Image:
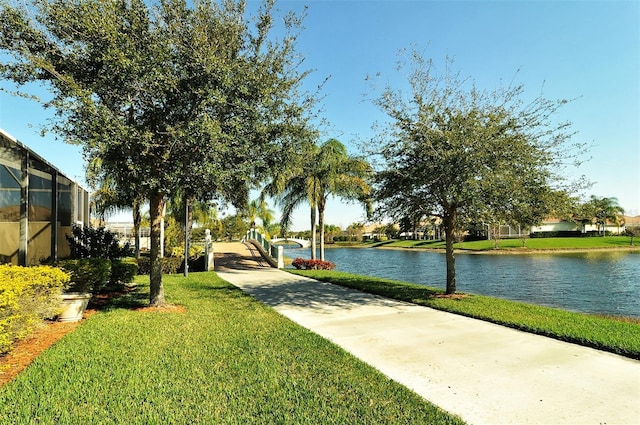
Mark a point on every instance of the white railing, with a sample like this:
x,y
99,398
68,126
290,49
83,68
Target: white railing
x,y
275,252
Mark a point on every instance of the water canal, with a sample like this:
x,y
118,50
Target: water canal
x,y
595,282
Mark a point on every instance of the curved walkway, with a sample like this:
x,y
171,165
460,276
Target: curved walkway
x,y
485,373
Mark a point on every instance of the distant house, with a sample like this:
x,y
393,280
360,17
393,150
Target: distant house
x,y
554,225
631,222
560,226
38,206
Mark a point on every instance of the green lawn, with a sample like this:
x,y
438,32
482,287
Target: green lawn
x,y
516,244
227,360
620,336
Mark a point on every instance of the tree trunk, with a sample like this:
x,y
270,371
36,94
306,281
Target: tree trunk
x,y
313,233
156,290
449,231
321,226
188,204
137,221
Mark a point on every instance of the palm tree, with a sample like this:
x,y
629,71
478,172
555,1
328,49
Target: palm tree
x,y
355,230
603,210
342,176
110,197
327,170
266,215
259,209
331,231
295,187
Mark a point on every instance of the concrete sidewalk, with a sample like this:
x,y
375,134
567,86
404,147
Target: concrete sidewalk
x,y
485,373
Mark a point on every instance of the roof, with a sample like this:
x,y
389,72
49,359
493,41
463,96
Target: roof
x,y
44,165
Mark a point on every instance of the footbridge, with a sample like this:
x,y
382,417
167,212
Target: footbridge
x,y
274,255
304,243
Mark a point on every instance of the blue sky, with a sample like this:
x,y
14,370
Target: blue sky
x,y
583,50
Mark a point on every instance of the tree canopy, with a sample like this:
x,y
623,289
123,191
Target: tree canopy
x,y
453,151
168,96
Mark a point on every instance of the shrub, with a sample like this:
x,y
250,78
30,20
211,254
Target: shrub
x,y
301,263
122,272
27,296
194,251
144,265
170,265
88,274
96,242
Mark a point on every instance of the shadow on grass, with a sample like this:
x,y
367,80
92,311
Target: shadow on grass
x,y
435,244
408,293
382,243
130,299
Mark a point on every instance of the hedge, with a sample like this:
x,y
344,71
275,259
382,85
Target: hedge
x,y
170,265
27,296
87,275
122,272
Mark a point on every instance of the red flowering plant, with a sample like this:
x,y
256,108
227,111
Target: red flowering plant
x,y
301,263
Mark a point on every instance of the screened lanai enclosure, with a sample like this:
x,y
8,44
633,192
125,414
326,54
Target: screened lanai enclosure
x,y
38,206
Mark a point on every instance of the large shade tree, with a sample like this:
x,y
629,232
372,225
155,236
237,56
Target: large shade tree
x,y
169,95
465,155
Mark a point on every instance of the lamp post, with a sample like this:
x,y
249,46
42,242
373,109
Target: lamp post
x,y
186,238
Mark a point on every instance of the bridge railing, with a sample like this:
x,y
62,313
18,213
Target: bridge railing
x,y
304,243
275,252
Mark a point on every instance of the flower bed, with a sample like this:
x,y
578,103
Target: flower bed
x,y
302,264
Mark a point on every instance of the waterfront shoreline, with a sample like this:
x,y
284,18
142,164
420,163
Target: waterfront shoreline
x,y
569,279
510,251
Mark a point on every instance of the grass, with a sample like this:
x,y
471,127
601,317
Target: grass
x,y
227,360
621,336
542,244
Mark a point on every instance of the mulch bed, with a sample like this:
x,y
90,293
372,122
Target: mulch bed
x,y
25,351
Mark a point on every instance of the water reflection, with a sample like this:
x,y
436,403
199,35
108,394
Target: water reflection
x,y
594,282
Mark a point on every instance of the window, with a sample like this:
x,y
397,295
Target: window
x,y
39,196
9,193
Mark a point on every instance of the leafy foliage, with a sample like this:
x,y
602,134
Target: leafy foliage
x,y
313,264
87,274
122,273
170,265
465,155
322,171
96,242
27,296
167,97
234,227
632,232
601,211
